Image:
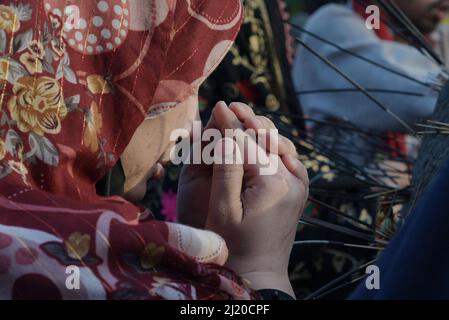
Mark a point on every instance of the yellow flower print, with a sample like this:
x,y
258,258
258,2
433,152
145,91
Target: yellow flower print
x,y
97,84
327,173
322,158
4,68
311,164
2,149
32,60
9,20
32,63
94,123
254,43
78,245
151,255
37,105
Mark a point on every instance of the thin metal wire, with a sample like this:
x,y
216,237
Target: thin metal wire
x,y
358,86
345,90
396,12
348,217
341,286
337,243
356,55
329,285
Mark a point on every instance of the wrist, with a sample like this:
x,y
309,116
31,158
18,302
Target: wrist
x,y
274,295
259,280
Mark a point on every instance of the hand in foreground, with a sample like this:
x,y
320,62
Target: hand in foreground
x,y
196,179
257,215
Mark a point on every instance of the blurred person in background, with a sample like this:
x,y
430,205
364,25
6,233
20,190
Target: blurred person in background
x,y
344,24
323,95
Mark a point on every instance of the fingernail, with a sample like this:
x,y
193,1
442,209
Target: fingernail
x,y
222,103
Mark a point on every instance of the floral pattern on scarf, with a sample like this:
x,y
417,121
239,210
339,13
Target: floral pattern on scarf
x,y
76,80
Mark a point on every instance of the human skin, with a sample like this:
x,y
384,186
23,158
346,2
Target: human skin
x,y
257,214
262,261
425,14
149,149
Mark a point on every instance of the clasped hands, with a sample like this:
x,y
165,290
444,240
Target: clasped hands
x,y
257,215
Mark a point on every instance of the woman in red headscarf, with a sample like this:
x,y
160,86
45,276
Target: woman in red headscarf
x,y
81,81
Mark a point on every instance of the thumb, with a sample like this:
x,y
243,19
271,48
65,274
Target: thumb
x,y
203,246
225,206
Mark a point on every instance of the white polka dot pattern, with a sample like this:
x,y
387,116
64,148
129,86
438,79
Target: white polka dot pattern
x,y
98,27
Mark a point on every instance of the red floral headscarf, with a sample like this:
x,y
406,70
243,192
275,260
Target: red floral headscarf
x,y
77,78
